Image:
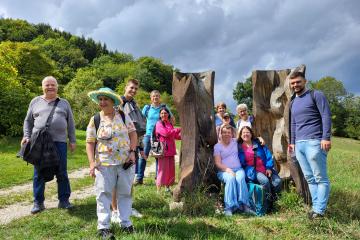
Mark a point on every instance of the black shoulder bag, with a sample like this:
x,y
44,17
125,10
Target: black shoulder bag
x,y
41,151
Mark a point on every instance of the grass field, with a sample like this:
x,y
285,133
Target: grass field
x,y
198,220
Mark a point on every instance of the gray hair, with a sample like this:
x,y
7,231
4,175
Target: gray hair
x,y
241,106
154,92
49,78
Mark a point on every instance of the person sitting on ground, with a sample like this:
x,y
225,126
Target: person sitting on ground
x,y
109,150
262,163
236,195
166,133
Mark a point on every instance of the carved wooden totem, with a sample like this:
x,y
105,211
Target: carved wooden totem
x,y
194,100
271,98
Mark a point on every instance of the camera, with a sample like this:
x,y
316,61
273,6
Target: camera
x,y
127,165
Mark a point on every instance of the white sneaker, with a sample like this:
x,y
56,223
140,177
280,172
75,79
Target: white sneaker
x,y
135,213
115,217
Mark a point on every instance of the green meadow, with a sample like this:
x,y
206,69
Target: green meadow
x,y
198,219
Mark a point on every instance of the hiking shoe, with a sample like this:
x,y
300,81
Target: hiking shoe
x,y
65,205
129,229
313,215
249,211
106,234
136,213
115,217
138,182
38,207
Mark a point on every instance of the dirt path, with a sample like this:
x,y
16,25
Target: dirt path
x,y
22,209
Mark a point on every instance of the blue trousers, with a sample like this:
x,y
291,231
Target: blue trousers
x,y
274,182
141,162
63,183
236,192
312,160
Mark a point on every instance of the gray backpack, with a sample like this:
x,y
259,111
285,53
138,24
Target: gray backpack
x,y
131,109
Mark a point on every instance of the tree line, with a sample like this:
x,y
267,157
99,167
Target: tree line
x,y
344,106
29,52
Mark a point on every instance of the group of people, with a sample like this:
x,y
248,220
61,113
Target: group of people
x,y
242,157
118,140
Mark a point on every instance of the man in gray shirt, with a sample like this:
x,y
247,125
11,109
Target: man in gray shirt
x,y
61,127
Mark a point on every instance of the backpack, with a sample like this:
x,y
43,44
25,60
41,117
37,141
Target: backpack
x,y
148,109
97,119
97,122
130,108
257,198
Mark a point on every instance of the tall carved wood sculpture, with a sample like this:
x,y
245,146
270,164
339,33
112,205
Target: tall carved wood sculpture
x,y
194,100
271,98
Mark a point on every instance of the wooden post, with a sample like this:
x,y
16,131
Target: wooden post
x,y
194,100
271,98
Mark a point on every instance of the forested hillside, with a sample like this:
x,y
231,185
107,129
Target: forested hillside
x,y
29,52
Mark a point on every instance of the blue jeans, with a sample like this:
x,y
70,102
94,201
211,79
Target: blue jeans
x,y
61,177
141,162
275,184
235,193
312,160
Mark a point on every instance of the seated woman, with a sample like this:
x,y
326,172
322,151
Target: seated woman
x,y
166,164
236,195
259,167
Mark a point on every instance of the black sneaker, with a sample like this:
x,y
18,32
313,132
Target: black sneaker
x,y
38,207
65,205
129,229
138,182
106,234
313,215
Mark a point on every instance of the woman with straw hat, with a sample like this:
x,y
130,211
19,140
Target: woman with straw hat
x,y
110,147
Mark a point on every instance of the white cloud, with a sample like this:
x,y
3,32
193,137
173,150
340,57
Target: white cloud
x,y
231,37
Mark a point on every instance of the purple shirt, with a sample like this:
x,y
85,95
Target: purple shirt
x,y
306,121
228,154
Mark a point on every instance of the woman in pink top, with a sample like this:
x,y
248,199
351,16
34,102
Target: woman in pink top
x,y
258,163
166,164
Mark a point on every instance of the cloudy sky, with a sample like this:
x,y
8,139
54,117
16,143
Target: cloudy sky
x,y
232,37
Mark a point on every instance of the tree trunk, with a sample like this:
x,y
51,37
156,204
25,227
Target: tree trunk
x,y
271,98
194,100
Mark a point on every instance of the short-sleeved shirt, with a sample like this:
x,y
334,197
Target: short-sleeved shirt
x,y
228,154
112,139
152,115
